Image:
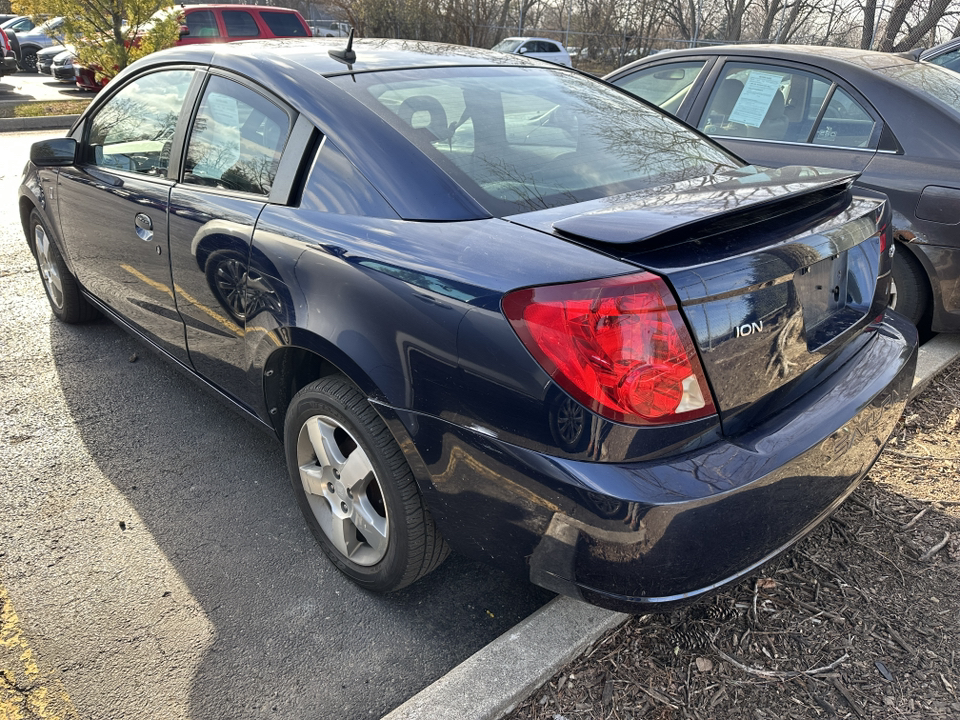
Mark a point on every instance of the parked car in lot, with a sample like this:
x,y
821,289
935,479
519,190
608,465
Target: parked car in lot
x,y
42,36
17,23
46,57
64,66
8,61
330,28
540,48
587,345
226,23
885,116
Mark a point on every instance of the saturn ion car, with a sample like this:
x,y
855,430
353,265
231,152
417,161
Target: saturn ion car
x,y
487,303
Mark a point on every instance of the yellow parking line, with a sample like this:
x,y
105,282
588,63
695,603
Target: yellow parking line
x,y
25,692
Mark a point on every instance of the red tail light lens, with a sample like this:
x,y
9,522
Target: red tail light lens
x,y
884,238
617,345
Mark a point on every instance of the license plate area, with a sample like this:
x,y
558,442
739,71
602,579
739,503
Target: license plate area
x,y
836,293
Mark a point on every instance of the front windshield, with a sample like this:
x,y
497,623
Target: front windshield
x,y
522,139
508,45
940,83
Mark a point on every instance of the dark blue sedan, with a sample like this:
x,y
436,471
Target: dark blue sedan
x,y
487,304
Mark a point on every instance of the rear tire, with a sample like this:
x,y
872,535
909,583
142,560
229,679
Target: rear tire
x,y
908,289
356,490
63,290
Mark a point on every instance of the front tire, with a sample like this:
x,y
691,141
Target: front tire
x,y
63,290
356,490
28,59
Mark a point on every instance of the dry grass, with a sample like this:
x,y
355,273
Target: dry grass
x,y
43,109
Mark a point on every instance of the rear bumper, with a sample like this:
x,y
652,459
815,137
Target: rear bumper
x,y
8,65
640,536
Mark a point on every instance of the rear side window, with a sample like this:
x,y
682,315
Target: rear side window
x,y
240,23
236,140
202,23
283,24
845,123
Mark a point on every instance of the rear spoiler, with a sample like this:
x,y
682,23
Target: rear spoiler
x,y
709,205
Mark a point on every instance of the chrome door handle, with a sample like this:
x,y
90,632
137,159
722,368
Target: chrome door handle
x,y
144,227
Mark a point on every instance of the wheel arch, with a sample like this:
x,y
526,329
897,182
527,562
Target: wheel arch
x,y
928,275
292,359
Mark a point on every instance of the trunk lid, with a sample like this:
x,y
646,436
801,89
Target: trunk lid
x,y
775,271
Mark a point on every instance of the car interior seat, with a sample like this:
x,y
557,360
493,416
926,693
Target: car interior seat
x,y
437,125
774,124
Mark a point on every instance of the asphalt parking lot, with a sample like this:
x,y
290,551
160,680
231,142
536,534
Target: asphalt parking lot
x,y
28,87
153,562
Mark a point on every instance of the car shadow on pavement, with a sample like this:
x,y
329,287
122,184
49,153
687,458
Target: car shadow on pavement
x,y
287,634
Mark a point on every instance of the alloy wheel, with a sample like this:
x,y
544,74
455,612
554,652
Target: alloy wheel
x,y
343,491
48,266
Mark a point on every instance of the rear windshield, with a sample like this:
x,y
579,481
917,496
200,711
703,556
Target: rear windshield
x,y
283,24
933,80
522,139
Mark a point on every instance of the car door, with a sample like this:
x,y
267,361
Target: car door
x,y
779,113
113,204
232,152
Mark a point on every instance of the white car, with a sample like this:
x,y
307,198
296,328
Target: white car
x,y
536,47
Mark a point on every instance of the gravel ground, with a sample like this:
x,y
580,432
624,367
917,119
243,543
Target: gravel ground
x,y
860,620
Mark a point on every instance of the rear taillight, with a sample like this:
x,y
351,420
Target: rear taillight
x,y
6,42
617,345
883,233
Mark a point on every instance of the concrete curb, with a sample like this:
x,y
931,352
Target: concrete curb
x,y
488,684
934,356
492,681
50,122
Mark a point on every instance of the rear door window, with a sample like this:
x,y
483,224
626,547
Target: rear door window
x,y
240,23
283,24
764,102
202,23
236,140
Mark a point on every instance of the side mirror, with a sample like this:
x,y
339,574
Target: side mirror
x,y
184,31
522,51
56,152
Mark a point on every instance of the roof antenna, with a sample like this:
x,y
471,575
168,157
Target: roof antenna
x,y
347,55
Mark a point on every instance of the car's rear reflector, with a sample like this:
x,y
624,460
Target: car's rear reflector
x,y
618,345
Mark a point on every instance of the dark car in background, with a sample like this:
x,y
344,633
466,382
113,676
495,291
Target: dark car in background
x,y
487,304
8,61
890,118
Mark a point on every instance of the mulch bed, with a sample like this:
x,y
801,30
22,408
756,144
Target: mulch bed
x,y
860,620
